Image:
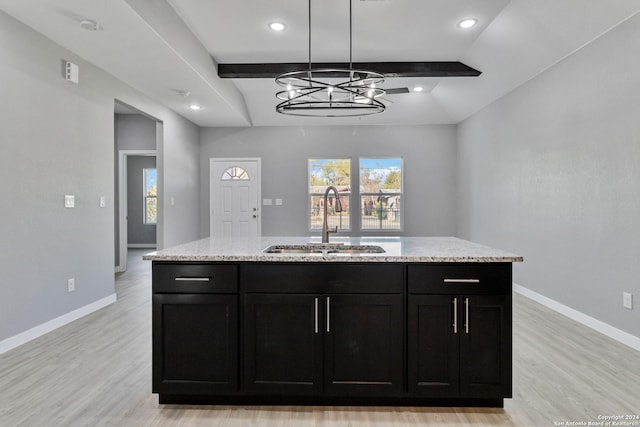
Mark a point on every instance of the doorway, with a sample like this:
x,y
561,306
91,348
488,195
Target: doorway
x,y
137,135
234,198
130,232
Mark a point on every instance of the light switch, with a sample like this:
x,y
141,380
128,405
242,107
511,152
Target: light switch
x,y
278,202
103,201
266,202
69,201
172,201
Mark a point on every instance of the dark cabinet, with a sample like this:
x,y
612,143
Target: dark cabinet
x,y
332,333
485,346
334,344
459,345
195,335
195,343
433,347
282,344
363,346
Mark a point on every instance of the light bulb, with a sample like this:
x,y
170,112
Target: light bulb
x,y
467,23
277,26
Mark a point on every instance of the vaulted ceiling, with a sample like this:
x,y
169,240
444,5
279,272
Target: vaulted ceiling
x,y
165,48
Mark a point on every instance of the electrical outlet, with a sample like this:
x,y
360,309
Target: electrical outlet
x,y
627,300
71,285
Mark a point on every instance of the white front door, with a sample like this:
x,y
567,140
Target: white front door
x,y
235,195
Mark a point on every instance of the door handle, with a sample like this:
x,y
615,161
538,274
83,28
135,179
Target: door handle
x,y
455,315
316,316
466,315
328,313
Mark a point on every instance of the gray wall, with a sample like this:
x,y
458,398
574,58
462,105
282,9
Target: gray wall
x,y
178,181
429,154
135,132
138,233
552,172
57,138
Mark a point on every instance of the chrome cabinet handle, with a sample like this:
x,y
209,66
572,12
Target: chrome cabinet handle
x,y
466,315
328,313
316,316
455,315
461,280
192,279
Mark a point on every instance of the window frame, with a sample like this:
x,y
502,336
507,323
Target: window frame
x,y
311,194
400,194
354,197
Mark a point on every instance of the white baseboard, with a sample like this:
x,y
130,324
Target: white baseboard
x,y
141,245
38,331
595,324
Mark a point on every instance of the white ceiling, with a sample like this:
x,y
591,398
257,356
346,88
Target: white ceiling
x,y
163,46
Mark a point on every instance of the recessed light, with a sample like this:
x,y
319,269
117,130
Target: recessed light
x,y
194,107
467,23
418,89
277,26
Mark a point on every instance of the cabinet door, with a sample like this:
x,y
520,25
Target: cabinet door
x,y
363,345
195,344
282,342
433,345
485,346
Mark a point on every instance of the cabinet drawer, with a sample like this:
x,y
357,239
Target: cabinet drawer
x,y
195,278
464,278
322,278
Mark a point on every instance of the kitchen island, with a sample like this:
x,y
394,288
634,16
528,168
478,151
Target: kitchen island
x,y
426,322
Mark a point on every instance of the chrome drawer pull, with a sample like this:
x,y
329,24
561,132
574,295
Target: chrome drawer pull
x,y
466,315
461,280
316,316
328,313
192,279
455,315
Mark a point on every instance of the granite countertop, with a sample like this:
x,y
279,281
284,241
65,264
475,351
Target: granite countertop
x,y
398,249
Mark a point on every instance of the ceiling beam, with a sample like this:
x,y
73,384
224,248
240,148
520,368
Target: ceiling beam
x,y
388,69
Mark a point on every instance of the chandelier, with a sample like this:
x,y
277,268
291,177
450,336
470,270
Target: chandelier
x,y
330,92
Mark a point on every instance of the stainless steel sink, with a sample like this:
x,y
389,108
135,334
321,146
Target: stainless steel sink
x,y
324,249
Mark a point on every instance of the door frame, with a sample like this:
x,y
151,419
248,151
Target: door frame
x,y
258,161
123,205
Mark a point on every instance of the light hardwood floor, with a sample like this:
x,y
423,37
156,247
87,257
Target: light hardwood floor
x,y
96,371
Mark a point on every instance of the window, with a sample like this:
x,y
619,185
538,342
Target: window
x,y
380,193
150,192
322,174
377,190
235,173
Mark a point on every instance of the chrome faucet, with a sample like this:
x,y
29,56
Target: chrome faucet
x,y
338,208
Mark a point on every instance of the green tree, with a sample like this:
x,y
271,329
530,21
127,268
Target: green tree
x,y
393,181
331,172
